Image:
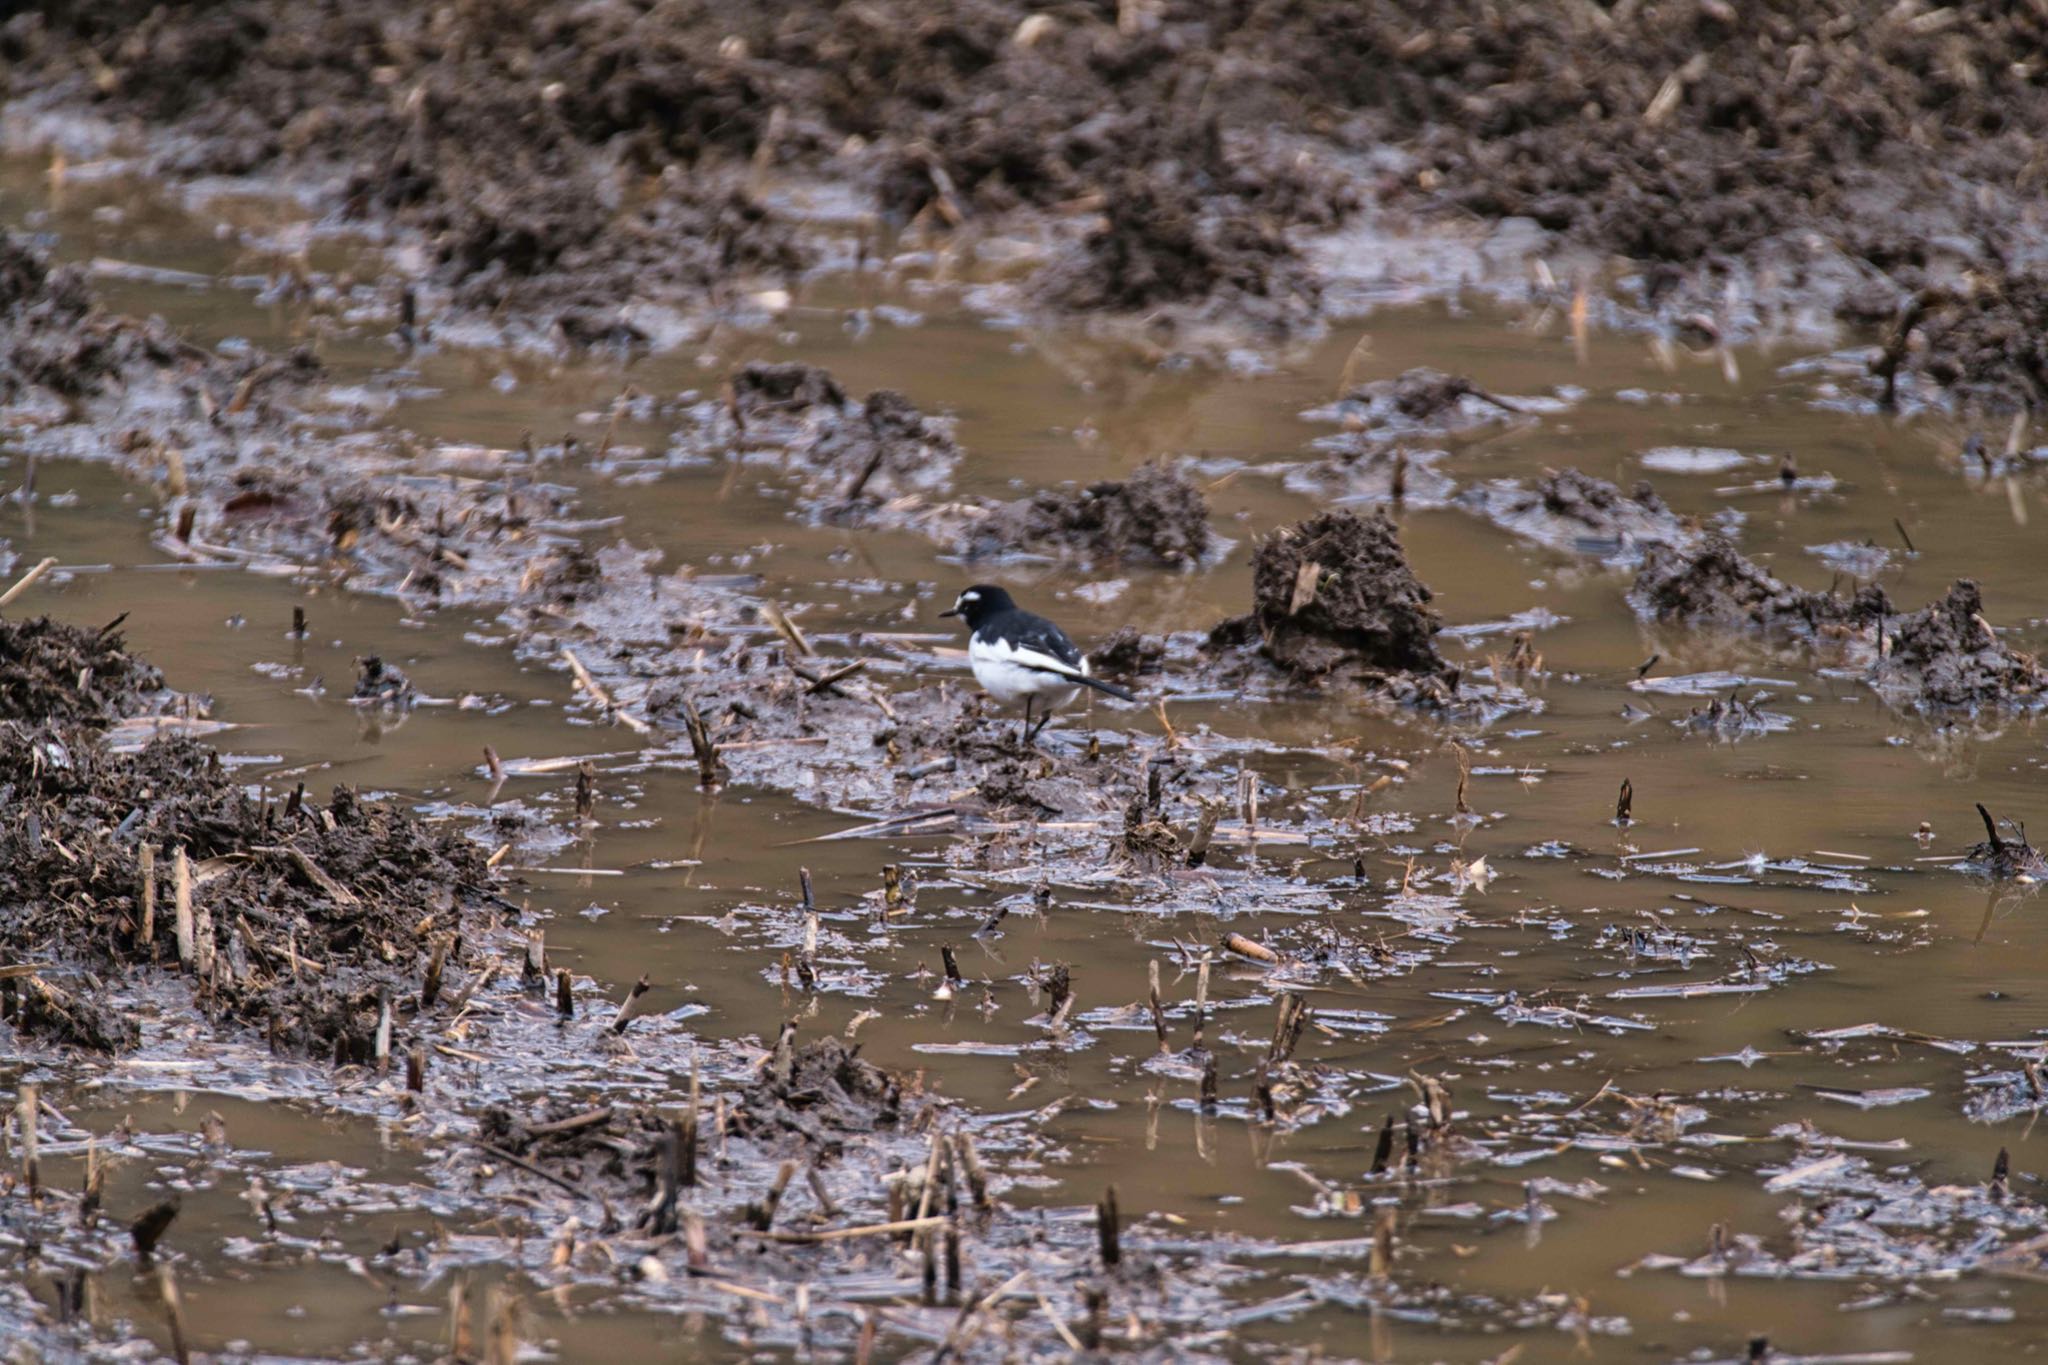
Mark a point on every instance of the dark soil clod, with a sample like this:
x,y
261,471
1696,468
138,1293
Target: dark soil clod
x,y
1946,655
1713,584
1156,514
1336,592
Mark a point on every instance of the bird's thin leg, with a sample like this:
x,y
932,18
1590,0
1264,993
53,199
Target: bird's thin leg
x,y
1042,722
1024,735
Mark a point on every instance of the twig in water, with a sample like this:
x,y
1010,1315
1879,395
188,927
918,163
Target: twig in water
x,y
1108,1230
631,1007
25,582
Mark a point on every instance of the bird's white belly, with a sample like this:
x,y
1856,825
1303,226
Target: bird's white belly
x,y
1012,683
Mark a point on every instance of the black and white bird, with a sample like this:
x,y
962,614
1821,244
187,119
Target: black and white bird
x,y
1019,657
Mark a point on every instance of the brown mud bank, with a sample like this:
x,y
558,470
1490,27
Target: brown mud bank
x,y
1944,659
326,926
557,163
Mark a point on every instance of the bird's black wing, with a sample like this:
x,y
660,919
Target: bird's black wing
x,y
1035,633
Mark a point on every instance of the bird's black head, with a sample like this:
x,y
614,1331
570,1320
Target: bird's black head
x,y
979,603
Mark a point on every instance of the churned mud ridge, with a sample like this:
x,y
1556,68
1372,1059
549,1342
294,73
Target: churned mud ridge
x,y
880,464
323,925
563,159
1576,512
1944,657
1680,134
1714,584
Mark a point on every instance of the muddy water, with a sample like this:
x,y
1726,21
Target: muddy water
x,y
1789,871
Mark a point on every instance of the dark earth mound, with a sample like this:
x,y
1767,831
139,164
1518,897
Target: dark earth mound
x,y
559,158
52,673
1157,514
1336,592
1714,585
1570,510
1946,655
305,920
852,458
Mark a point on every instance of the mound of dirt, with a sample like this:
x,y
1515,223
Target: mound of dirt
x,y
1988,346
1714,585
1570,510
1157,514
52,673
305,920
851,458
1336,592
820,1088
53,336
1947,656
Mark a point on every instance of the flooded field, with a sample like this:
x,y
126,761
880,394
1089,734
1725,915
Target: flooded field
x,y
1635,1002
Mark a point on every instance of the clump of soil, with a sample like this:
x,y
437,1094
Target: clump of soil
x,y
1157,514
54,337
818,1089
1159,243
1126,654
1946,655
1713,584
852,458
306,919
58,674
1570,510
1988,346
1335,592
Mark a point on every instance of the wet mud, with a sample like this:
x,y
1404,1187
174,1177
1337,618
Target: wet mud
x,y
1175,161
1276,878
322,925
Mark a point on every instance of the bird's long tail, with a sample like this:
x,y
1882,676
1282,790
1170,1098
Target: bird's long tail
x,y
1111,688
1084,680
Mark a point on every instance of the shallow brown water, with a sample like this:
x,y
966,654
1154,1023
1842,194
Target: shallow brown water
x,y
1909,944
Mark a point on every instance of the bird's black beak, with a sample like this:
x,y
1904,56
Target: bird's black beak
x,y
950,611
